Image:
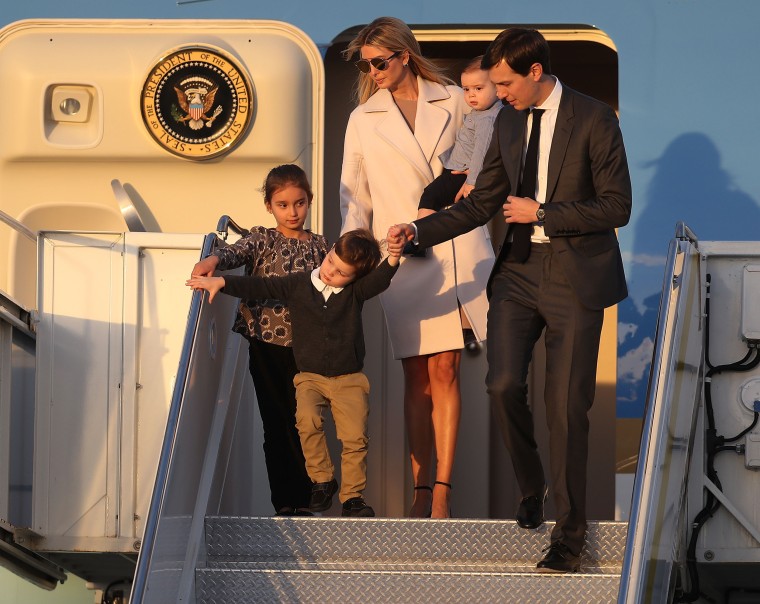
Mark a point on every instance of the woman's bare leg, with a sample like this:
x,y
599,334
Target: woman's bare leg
x,y
419,428
443,372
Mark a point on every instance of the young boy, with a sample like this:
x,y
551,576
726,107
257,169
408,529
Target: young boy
x,y
328,343
472,141
462,162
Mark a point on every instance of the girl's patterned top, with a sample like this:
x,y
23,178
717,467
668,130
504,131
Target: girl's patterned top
x,y
264,252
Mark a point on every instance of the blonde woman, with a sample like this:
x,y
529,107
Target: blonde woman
x,y
408,114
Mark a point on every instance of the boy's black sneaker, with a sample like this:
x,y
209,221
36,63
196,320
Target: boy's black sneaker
x,y
357,508
322,494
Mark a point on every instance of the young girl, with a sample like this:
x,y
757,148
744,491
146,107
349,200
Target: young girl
x,y
287,248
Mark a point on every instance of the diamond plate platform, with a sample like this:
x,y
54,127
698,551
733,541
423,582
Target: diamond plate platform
x,y
398,560
329,587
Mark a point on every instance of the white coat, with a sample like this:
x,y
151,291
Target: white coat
x,y
385,168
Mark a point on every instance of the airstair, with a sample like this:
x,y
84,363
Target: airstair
x,y
672,550
202,551
693,534
400,561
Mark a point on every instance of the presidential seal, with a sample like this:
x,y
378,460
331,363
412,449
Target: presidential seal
x,y
197,103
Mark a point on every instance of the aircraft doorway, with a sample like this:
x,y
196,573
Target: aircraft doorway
x,y
585,59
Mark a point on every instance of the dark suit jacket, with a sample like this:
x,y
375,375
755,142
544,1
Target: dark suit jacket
x,y
588,195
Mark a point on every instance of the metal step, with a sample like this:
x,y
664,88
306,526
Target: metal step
x,y
398,560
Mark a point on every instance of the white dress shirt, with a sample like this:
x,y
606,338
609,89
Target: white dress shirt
x,y
548,122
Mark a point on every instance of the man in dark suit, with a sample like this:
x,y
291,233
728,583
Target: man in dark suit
x,y
556,276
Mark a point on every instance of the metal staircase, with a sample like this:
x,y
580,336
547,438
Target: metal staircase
x,y
392,560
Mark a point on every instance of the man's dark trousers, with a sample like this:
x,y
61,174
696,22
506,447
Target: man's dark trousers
x,y
527,299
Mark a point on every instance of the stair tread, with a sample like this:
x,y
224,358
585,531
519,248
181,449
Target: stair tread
x,y
394,540
508,567
218,586
392,560
425,521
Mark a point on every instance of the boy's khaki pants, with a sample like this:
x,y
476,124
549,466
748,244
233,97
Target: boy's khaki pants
x,y
348,398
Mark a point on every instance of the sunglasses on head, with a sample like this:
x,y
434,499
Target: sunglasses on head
x,y
363,65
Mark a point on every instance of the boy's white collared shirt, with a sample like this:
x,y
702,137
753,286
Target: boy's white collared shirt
x,y
321,286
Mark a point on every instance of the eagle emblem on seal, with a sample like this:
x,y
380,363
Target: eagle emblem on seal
x,y
197,102
196,98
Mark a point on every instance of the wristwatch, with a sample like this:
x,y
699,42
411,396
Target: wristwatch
x,y
540,213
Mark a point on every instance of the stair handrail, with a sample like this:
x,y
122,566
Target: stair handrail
x,y
21,561
628,582
18,226
637,581
148,541
684,233
196,449
16,315
226,224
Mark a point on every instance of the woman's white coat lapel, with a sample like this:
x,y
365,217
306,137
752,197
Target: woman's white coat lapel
x,y
418,147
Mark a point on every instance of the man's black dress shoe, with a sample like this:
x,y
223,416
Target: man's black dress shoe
x,y
530,513
559,559
322,494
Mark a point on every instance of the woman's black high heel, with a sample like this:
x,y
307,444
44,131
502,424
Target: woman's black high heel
x,y
445,484
424,487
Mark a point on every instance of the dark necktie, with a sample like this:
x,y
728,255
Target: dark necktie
x,y
521,232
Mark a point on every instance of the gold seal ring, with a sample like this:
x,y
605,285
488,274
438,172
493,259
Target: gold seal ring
x,y
197,102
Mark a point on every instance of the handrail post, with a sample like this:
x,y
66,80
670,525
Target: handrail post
x,y
148,541
18,226
226,224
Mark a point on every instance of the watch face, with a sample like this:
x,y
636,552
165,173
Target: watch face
x,y
540,213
